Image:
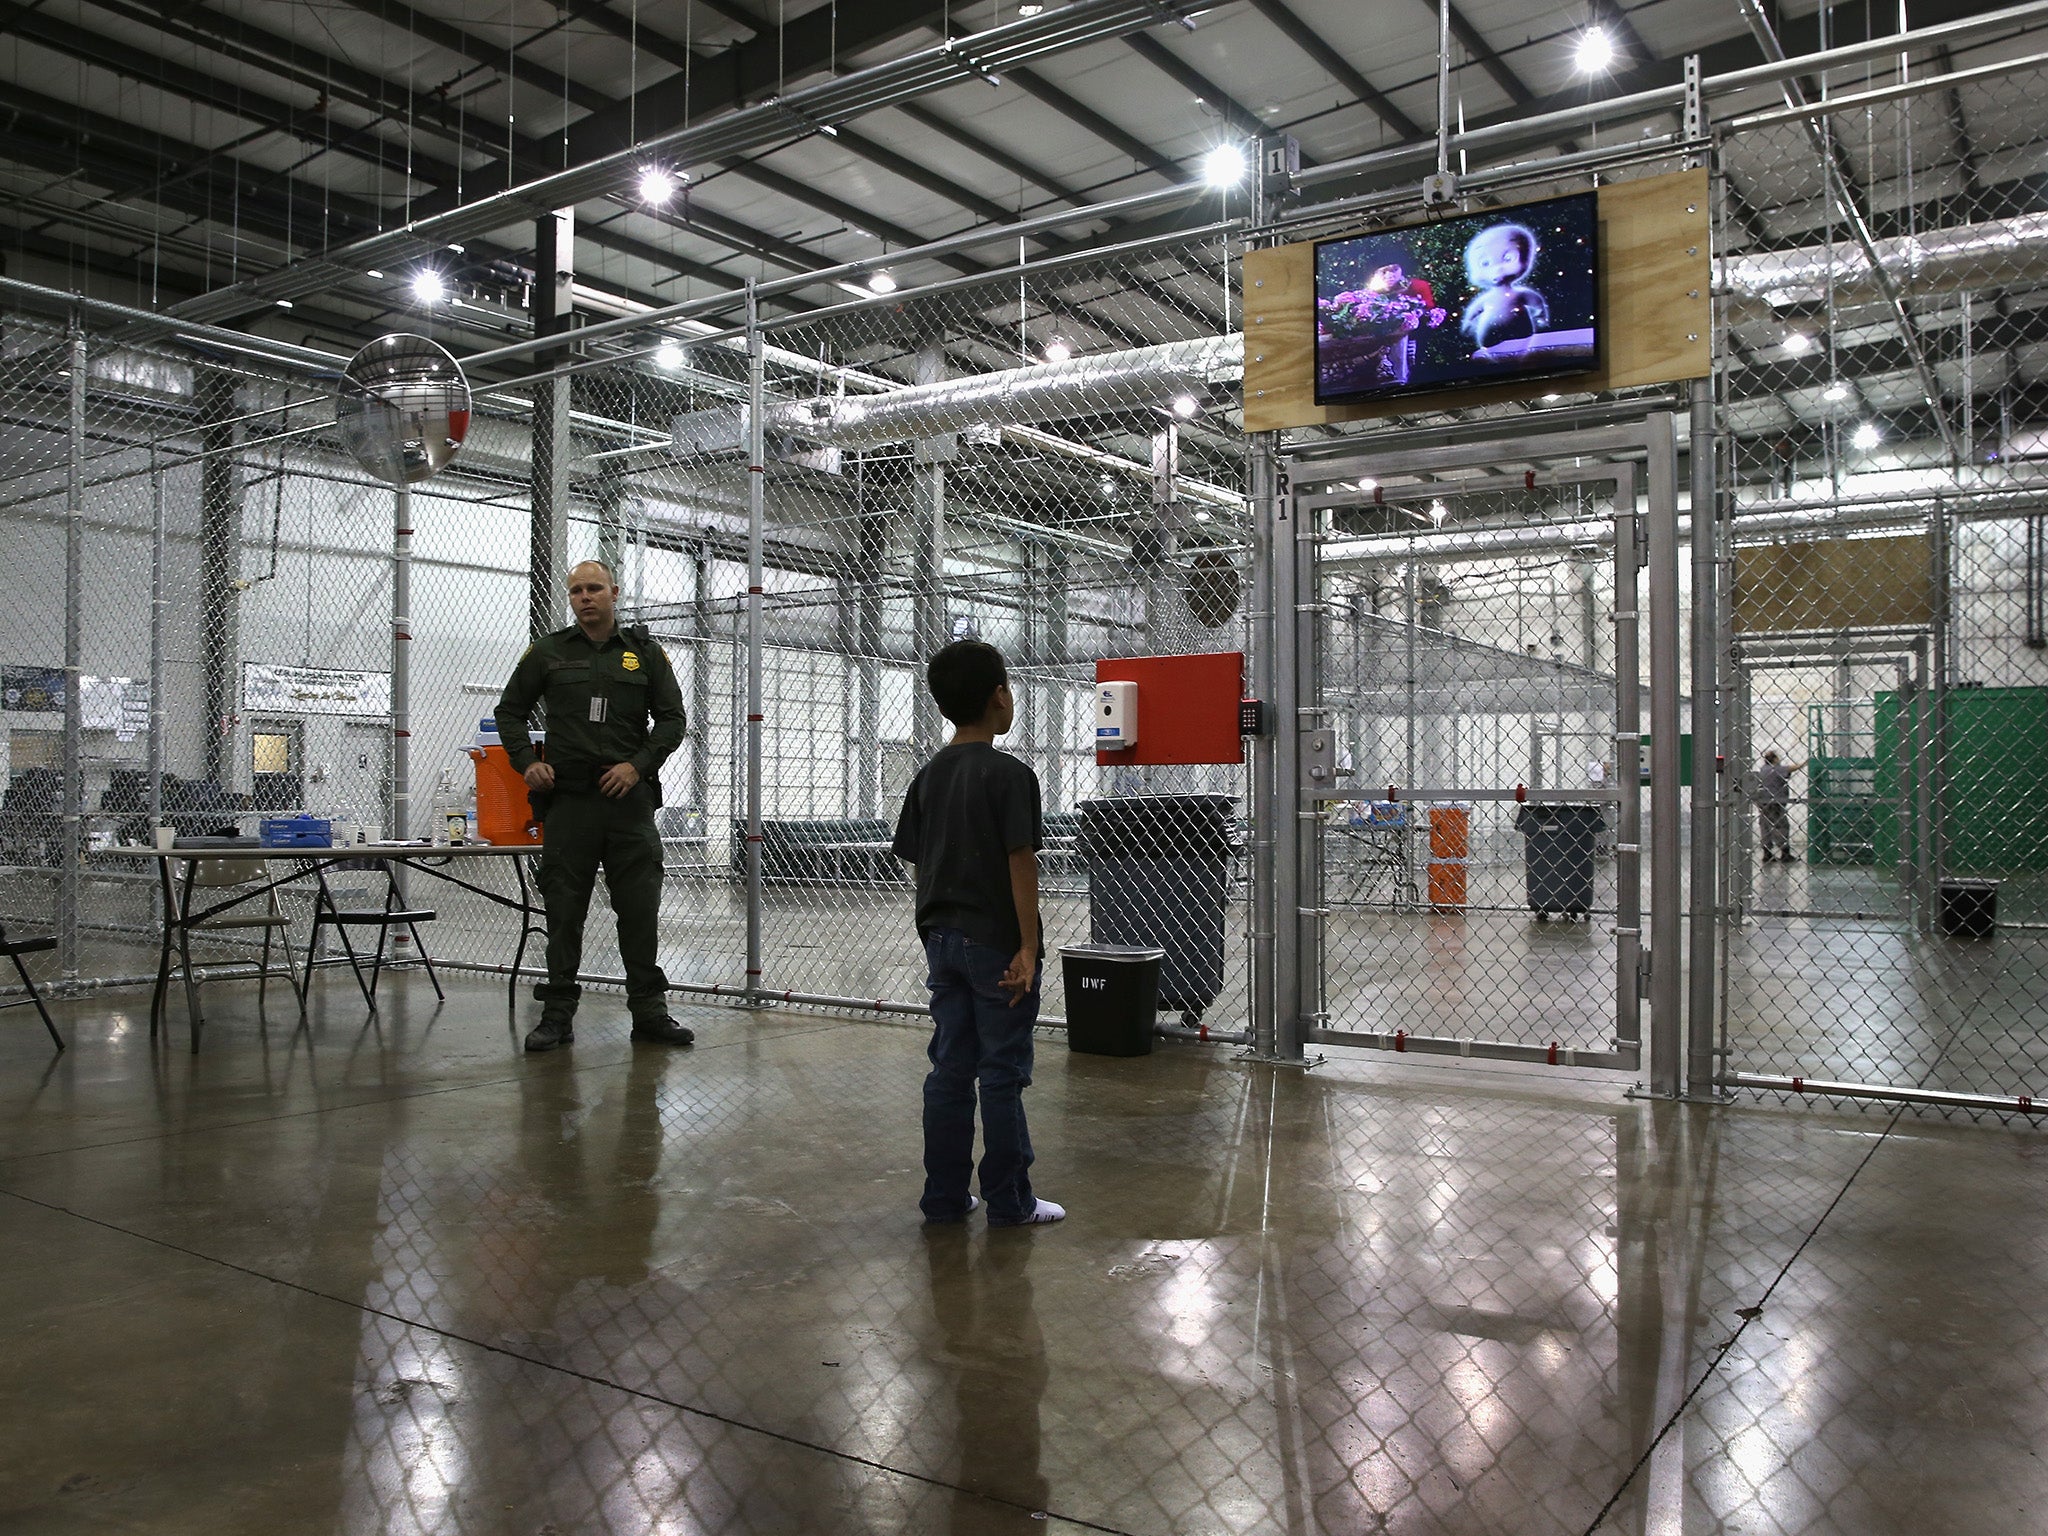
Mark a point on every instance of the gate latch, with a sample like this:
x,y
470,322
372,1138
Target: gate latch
x,y
1319,770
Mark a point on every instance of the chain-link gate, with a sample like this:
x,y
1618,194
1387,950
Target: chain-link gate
x,y
1472,756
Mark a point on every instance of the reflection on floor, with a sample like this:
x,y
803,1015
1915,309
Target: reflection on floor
x,y
397,1277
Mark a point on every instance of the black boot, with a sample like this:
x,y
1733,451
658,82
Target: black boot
x,y
663,1031
550,1033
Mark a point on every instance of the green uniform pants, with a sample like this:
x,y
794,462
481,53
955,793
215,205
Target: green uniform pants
x,y
582,832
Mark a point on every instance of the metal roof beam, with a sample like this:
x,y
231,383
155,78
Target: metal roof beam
x,y
1482,53
1339,68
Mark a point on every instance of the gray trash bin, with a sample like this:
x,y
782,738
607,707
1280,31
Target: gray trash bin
x,y
1159,876
1558,842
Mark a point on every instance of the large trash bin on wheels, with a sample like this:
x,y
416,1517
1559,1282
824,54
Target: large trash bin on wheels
x,y
1558,842
1159,869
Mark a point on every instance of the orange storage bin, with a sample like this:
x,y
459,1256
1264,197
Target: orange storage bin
x,y
503,815
1450,831
1447,885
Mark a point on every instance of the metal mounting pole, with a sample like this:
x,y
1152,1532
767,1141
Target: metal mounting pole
x,y
1443,87
74,656
1667,895
757,514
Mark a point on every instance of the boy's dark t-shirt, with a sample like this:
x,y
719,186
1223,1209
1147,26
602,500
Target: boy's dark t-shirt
x,y
966,811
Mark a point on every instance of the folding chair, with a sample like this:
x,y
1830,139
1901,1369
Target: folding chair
x,y
14,949
328,913
222,875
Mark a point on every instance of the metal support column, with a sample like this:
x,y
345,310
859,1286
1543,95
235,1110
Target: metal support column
x,y
867,642
608,496
398,818
1667,893
74,659
548,534
1283,804
159,606
1271,813
1628,763
1706,742
700,686
220,555
757,519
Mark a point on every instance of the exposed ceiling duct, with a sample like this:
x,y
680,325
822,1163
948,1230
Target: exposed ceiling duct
x,y
1017,397
1990,254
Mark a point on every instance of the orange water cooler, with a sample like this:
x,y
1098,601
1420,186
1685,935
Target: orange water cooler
x,y
503,815
1450,855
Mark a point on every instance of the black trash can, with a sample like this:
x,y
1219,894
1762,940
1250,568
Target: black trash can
x,y
1558,841
1112,997
1969,908
1159,877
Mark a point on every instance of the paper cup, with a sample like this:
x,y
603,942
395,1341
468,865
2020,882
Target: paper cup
x,y
166,839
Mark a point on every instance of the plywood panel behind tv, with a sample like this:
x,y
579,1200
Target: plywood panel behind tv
x,y
1655,270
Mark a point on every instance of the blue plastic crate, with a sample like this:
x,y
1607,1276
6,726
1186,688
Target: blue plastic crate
x,y
295,832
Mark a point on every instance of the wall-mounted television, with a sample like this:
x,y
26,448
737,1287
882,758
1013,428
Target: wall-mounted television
x,y
1482,298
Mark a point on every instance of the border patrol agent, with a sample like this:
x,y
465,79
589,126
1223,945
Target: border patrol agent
x,y
595,796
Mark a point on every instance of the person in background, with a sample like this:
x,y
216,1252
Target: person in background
x,y
1773,797
971,827
595,796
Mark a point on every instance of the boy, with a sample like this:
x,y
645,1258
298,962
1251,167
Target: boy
x,y
970,825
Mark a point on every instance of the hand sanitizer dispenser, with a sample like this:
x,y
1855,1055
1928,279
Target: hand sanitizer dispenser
x,y
1116,716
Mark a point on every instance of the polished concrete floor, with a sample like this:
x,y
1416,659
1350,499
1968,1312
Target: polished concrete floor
x,y
397,1277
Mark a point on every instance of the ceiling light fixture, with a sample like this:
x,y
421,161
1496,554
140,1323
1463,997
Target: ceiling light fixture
x,y
427,286
1057,350
1107,486
373,272
1438,512
1224,167
1028,11
1368,484
1595,51
670,357
1867,436
657,185
1836,391
455,248
1797,343
881,282
284,303
1185,406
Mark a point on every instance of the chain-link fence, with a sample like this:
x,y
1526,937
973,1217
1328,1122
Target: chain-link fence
x,y
1883,676
1010,459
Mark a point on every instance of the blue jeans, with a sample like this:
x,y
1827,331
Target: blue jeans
x,y
979,1039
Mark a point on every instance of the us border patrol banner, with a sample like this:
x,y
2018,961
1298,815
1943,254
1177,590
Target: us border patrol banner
x,y
271,689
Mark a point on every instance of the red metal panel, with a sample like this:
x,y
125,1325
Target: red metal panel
x,y
1187,708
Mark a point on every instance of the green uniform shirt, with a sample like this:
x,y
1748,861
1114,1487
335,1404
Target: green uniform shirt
x,y
599,701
